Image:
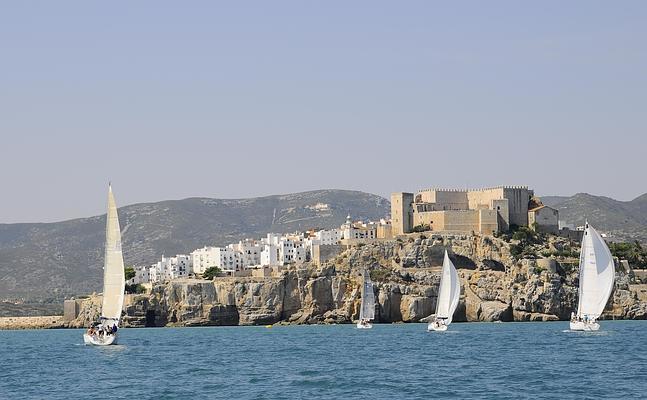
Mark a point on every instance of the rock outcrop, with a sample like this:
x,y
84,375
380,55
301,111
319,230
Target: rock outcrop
x,y
495,287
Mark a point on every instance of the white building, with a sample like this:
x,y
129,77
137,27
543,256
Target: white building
x,y
328,237
280,250
155,273
228,259
291,251
225,258
249,250
359,230
204,258
179,266
270,255
169,268
142,275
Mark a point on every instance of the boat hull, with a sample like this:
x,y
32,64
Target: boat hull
x,y
436,327
584,326
366,325
99,341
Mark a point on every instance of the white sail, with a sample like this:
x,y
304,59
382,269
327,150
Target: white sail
x,y
113,267
449,292
597,274
367,309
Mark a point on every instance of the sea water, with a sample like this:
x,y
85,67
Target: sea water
x,y
404,361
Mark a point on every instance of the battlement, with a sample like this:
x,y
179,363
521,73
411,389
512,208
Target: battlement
x,y
510,187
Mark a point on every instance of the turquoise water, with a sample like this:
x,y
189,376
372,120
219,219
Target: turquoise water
x,y
498,361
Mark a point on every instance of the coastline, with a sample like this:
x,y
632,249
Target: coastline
x,y
496,287
35,322
56,322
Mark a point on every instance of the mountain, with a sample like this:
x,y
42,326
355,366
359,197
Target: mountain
x,y
48,261
622,220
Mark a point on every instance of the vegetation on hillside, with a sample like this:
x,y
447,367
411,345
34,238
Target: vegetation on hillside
x,y
526,238
135,288
380,274
634,253
129,273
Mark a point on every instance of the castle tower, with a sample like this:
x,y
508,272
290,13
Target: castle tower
x,y
401,212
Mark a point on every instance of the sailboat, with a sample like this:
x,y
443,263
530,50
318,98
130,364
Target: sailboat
x,y
367,309
448,295
597,274
104,331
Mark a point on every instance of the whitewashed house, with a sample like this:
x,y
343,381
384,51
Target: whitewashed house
x,y
249,250
142,275
204,258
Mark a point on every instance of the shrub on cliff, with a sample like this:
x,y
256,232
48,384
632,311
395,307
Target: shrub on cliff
x,y
211,273
421,228
380,274
634,253
135,288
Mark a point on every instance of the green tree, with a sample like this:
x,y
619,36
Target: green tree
x,y
129,273
211,273
634,253
135,288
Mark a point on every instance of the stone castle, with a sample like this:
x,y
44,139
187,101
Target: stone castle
x,y
485,211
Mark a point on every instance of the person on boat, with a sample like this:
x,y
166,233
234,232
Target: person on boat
x,y
114,328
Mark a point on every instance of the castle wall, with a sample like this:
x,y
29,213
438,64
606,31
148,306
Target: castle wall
x,y
488,221
445,199
451,220
483,198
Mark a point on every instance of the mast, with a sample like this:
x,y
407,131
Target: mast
x,y
581,267
113,267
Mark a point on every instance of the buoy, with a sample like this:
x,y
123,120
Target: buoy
x,y
268,326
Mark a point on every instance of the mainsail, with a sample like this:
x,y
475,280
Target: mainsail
x,y
597,274
449,292
113,268
367,309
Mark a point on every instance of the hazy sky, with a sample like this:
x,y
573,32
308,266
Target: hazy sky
x,y
180,99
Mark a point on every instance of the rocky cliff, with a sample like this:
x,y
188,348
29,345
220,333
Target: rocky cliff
x,y
495,287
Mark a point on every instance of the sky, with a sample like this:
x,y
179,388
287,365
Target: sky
x,y
170,100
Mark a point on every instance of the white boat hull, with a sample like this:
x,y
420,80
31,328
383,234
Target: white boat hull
x,y
584,326
97,340
436,327
366,325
